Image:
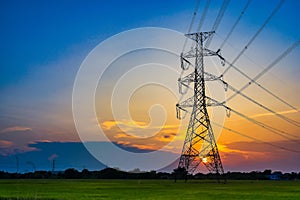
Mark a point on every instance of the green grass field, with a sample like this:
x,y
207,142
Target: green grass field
x,y
147,189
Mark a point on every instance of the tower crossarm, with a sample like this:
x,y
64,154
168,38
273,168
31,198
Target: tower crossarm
x,y
206,52
182,106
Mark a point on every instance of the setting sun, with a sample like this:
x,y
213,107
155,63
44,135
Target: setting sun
x,y
204,160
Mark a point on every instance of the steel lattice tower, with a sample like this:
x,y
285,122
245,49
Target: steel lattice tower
x,y
199,145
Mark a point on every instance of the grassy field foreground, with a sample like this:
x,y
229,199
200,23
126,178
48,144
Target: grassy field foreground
x,y
147,189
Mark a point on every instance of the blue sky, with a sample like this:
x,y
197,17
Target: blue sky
x,y
35,33
38,32
44,42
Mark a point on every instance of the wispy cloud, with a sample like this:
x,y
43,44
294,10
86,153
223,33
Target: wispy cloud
x,y
5,144
122,135
139,135
254,155
150,147
17,139
15,128
228,151
271,114
110,124
137,129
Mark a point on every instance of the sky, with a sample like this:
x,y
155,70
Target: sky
x,y
44,43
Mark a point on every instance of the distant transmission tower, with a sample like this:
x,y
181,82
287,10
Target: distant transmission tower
x,y
17,162
200,144
53,165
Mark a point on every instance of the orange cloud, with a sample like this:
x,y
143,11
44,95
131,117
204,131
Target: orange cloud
x,y
254,155
166,136
108,125
122,135
290,146
144,147
5,144
139,135
150,147
38,141
227,152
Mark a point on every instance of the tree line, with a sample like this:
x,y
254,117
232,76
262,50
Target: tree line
x,y
111,173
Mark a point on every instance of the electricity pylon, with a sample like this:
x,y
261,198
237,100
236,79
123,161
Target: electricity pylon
x,y
200,145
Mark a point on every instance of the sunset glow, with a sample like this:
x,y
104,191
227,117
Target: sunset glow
x,y
45,44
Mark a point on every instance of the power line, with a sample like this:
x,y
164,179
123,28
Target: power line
x,y
263,125
190,28
236,23
203,15
253,80
218,20
194,15
255,36
291,121
192,22
255,139
284,54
